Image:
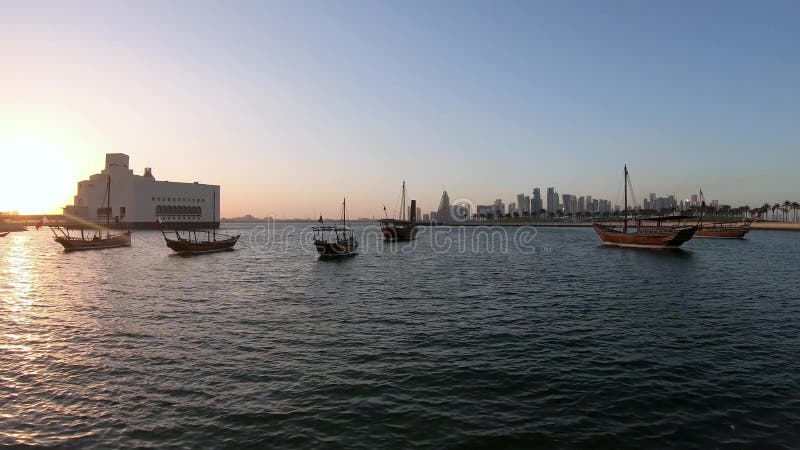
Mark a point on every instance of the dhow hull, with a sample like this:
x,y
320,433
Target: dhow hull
x,y
659,238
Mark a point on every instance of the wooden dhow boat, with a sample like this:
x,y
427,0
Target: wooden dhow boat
x,y
92,240
650,232
4,234
335,241
401,229
208,241
190,241
722,230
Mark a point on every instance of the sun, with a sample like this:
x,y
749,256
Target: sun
x,y
37,177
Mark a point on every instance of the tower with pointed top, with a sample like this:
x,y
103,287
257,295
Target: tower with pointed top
x,y
443,213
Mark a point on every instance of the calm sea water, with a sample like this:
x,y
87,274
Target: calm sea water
x,y
557,341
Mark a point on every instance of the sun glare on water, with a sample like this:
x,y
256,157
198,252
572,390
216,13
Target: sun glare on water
x,y
36,177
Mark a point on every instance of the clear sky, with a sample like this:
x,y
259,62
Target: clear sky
x,y
292,105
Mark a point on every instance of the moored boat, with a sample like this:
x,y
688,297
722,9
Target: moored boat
x,y
4,234
401,229
335,241
68,238
649,232
94,242
189,242
720,230
208,241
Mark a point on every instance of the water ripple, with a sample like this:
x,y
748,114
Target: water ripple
x,y
581,345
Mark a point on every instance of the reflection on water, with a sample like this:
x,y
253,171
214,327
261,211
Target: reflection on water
x,y
572,344
19,276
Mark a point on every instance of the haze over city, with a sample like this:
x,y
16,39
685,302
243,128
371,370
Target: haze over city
x,y
290,107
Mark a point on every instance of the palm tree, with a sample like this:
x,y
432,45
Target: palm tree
x,y
787,205
764,209
774,207
795,207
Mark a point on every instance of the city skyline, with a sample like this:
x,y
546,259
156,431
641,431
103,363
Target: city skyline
x,y
424,206
290,107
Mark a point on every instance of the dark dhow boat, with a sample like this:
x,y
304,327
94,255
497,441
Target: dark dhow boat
x,y
650,232
94,240
401,229
335,241
4,234
208,241
721,230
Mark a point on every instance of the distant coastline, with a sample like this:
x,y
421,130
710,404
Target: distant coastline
x,y
514,222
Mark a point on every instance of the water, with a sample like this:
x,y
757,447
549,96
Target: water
x,y
560,343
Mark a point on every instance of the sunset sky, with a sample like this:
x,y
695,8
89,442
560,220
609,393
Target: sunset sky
x,y
291,106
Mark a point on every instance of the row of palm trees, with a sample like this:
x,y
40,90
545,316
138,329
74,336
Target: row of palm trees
x,y
777,212
779,208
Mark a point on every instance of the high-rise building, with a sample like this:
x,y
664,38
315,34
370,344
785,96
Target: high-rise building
x,y
443,213
552,200
520,203
536,201
418,215
589,207
693,202
581,204
570,204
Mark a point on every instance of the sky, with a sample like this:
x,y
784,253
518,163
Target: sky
x,y
291,106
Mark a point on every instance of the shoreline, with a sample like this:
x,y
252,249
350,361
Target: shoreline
x,y
761,226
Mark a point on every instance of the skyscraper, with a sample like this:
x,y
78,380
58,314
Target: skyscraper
x,y
520,203
536,202
552,200
418,211
570,204
443,213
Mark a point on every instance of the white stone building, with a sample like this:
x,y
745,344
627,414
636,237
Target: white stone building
x,y
138,200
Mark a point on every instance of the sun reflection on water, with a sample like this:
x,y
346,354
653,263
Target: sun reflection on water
x,y
20,279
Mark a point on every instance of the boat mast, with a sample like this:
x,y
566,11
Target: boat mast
x,y
403,203
344,212
108,206
214,213
625,211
